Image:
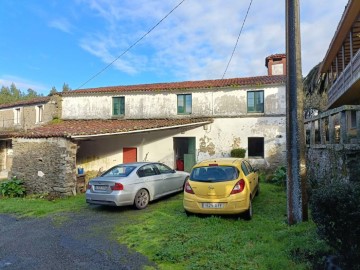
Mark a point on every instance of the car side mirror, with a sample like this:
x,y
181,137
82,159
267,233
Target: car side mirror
x,y
173,171
256,169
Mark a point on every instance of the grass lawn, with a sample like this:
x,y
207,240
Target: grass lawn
x,y
174,241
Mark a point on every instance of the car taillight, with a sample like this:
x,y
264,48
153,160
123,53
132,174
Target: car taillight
x,y
88,186
239,186
188,188
117,186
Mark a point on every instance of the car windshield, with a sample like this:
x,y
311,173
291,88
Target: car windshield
x,y
119,171
214,174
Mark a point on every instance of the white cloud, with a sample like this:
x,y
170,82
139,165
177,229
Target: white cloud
x,y
61,24
23,84
196,40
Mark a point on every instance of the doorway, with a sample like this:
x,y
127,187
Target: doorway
x,y
129,154
184,150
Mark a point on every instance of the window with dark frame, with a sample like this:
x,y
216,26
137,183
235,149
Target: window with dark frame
x,y
255,101
256,147
118,106
184,104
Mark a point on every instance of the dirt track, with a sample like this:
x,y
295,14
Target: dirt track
x,y
65,241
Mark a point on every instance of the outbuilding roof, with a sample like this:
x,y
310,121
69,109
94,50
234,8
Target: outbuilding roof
x,y
25,102
187,85
78,129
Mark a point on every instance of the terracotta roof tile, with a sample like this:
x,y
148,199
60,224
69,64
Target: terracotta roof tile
x,y
274,56
188,85
25,102
70,128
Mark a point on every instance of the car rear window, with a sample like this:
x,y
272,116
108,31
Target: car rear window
x,y
214,174
118,171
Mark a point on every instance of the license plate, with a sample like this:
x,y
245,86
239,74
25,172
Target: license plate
x,y
101,188
213,205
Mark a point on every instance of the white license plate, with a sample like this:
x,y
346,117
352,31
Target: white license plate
x,y
213,205
101,188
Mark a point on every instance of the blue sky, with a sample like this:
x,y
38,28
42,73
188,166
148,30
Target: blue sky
x,y
47,43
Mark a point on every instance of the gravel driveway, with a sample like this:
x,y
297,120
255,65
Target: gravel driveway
x,y
66,241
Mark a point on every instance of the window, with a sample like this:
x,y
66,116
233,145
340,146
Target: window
x,y
184,104
17,113
147,170
118,106
256,147
163,168
255,101
39,113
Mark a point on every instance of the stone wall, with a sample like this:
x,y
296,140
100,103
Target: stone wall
x,y
45,165
333,162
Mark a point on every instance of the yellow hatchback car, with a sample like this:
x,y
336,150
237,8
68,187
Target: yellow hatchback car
x,y
221,186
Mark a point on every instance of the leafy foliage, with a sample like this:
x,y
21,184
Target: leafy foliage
x,y
279,177
12,188
335,210
13,94
238,152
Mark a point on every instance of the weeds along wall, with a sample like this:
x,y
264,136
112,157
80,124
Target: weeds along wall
x,y
45,165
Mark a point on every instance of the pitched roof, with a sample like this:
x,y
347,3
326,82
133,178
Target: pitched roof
x,y
25,102
84,128
187,85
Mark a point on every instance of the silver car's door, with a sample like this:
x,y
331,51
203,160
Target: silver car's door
x,y
152,179
171,180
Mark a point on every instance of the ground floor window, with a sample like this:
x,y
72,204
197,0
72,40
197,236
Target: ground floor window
x,y
256,147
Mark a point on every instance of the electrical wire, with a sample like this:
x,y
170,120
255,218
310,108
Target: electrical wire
x,y
237,39
131,46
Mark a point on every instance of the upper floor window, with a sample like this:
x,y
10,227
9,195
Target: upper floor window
x,y
184,104
39,113
118,106
255,101
17,114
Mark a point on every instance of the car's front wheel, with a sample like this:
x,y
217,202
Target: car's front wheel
x,y
142,199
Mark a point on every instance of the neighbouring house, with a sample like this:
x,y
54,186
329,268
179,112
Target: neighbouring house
x,y
333,137
19,116
176,123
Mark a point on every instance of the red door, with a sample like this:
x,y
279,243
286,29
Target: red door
x,y
129,154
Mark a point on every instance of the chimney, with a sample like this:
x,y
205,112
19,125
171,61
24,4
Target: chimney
x,y
276,64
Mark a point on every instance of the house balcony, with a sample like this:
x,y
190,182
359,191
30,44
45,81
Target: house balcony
x,y
346,88
336,126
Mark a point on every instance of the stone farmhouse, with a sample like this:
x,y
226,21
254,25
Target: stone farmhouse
x,y
333,150
44,141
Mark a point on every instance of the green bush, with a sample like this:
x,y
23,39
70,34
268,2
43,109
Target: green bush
x,y
279,177
12,188
238,152
335,211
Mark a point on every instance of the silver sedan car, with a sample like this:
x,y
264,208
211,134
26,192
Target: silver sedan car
x,y
134,184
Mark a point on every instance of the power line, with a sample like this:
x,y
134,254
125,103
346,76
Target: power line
x,y
131,46
237,40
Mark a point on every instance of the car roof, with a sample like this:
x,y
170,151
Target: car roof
x,y
137,164
220,161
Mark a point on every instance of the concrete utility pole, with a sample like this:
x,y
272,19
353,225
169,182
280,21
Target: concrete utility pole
x,y
295,137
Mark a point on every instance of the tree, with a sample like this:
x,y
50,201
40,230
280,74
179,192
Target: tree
x,y
66,87
315,91
53,90
12,94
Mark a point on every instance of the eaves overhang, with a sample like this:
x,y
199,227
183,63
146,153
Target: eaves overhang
x,y
85,129
349,17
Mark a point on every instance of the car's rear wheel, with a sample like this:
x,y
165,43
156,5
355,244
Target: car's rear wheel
x,y
249,213
142,199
